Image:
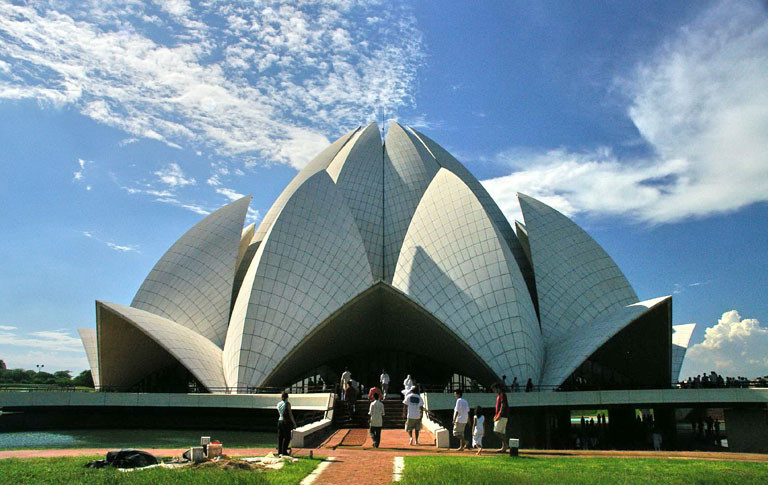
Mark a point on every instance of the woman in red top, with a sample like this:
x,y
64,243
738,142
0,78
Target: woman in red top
x,y
500,418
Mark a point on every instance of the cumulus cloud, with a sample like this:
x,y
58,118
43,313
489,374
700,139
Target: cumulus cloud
x,y
251,80
735,346
701,103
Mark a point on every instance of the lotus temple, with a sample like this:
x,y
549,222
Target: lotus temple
x,y
385,254
389,254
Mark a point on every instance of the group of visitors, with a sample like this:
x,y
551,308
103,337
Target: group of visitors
x,y
413,412
714,380
515,385
461,420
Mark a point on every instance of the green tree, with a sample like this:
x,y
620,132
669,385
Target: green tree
x,y
84,379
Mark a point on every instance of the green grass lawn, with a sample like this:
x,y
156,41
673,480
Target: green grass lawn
x,y
70,470
593,471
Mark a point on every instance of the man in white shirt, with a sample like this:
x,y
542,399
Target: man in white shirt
x,y
460,418
376,412
384,381
413,409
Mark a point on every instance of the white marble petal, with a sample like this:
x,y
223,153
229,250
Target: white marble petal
x,y
576,280
127,333
91,345
310,263
455,263
192,283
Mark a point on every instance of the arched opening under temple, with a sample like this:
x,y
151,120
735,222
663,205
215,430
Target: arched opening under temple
x,y
382,329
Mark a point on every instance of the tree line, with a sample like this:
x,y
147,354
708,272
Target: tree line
x,y
62,378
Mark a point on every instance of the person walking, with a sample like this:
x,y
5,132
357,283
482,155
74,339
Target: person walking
x,y
384,382
350,396
413,410
346,376
407,384
376,412
285,423
460,418
478,429
374,390
500,418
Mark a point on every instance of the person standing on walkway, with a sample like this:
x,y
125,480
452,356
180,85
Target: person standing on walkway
x,y
478,429
376,412
384,382
500,418
460,418
285,423
346,376
413,410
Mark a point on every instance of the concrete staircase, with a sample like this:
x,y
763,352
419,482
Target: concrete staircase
x,y
393,414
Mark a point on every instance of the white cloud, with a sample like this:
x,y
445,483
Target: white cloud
x,y
735,346
79,174
173,176
701,103
7,327
252,80
197,209
229,193
19,358
123,248
58,340
127,141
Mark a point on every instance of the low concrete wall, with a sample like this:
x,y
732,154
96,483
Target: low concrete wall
x,y
442,435
299,402
300,436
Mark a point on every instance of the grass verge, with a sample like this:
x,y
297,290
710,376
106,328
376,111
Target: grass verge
x,y
424,470
69,470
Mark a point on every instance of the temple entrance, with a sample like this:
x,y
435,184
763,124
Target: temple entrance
x,y
382,329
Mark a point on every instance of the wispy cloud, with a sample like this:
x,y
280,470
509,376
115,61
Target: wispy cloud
x,y
128,141
79,174
701,103
123,248
680,287
259,80
173,176
17,357
59,340
197,209
7,327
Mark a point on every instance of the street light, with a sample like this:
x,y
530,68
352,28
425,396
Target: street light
x,y
39,366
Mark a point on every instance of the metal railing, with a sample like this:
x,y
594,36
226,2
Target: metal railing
x,y
742,384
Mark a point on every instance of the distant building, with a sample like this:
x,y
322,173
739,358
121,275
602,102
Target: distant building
x,y
385,255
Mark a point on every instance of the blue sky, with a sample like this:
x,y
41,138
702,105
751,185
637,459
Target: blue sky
x,y
122,123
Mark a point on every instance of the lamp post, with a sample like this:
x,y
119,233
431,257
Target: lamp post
x,y
39,367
